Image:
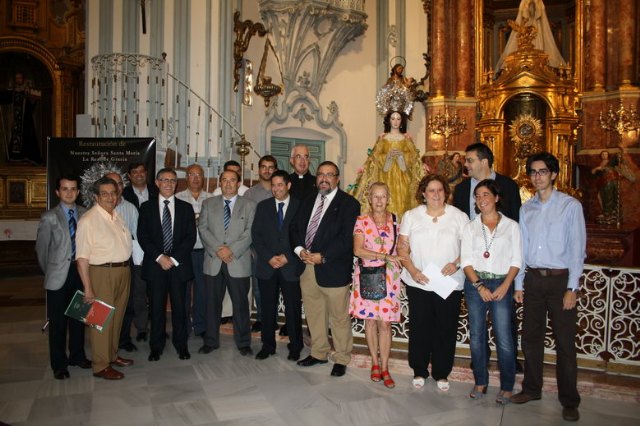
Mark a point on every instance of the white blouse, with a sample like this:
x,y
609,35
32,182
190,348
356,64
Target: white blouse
x,y
505,250
433,242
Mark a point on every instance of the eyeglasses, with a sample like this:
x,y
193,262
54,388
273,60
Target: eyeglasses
x,y
194,174
328,175
541,172
300,157
167,180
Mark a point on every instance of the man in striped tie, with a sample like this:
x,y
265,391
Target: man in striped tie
x,y
225,229
56,250
322,236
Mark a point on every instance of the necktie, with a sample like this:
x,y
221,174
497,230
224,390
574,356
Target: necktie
x,y
167,233
313,224
280,215
227,214
72,233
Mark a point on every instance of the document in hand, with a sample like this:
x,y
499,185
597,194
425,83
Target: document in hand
x,y
442,285
96,314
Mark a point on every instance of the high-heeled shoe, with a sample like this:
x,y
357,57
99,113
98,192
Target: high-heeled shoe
x,y
375,373
478,393
388,381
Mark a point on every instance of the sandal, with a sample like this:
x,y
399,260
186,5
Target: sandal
x,y
478,393
388,381
502,399
375,373
418,382
443,385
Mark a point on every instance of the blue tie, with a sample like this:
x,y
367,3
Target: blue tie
x,y
72,233
167,234
280,215
227,214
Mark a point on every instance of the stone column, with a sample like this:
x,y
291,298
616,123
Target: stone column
x,y
597,35
438,61
464,41
626,37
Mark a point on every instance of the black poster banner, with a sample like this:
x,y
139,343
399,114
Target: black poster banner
x,y
77,155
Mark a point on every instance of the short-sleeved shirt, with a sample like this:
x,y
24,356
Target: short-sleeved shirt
x,y
102,238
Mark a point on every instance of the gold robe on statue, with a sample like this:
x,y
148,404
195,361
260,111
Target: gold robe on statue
x,y
396,163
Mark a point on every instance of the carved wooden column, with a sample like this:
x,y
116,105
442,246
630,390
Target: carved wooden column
x,y
439,56
597,46
626,37
464,72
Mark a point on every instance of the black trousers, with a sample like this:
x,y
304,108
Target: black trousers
x,y
165,284
215,288
269,292
433,327
542,295
57,302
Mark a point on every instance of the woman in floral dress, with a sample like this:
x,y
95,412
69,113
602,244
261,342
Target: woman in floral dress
x,y
374,241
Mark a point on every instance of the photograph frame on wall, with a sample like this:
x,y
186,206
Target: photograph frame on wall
x,y
77,155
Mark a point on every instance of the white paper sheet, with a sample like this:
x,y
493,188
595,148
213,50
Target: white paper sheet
x,y
442,285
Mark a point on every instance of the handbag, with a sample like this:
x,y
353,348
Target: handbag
x,y
373,279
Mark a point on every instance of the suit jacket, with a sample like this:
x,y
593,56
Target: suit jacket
x,y
150,239
333,239
131,196
53,246
237,237
510,196
268,241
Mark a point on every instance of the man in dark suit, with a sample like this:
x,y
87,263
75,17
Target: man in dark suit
x,y
479,164
167,233
277,266
55,248
225,230
139,191
322,236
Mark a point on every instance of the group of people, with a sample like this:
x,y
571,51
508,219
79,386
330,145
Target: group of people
x,y
302,233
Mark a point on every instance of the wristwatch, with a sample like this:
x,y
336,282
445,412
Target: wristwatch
x,y
323,259
477,284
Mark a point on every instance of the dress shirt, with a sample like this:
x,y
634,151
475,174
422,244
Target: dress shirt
x,y
433,242
553,236
505,251
66,213
232,203
142,195
286,204
197,208
129,214
327,200
241,190
472,200
172,208
102,238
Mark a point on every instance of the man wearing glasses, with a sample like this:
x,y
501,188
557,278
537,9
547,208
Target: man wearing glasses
x,y
303,183
194,291
167,233
554,246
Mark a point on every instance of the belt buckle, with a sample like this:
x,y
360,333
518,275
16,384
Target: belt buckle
x,y
544,272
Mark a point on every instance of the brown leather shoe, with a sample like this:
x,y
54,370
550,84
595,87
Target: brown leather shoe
x,y
109,374
522,398
122,362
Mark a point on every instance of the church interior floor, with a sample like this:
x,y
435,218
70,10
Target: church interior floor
x,y
226,388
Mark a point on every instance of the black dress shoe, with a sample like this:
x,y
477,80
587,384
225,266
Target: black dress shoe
x,y
225,320
257,326
293,356
184,354
154,356
283,330
206,349
245,350
264,353
84,364
310,361
141,337
523,398
338,370
129,347
61,374
570,414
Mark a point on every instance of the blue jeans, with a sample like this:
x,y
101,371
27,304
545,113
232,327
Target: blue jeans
x,y
501,320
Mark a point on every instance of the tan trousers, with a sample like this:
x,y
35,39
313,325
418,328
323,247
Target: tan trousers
x,y
324,306
111,285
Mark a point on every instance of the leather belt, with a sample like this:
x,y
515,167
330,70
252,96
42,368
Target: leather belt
x,y
547,272
113,264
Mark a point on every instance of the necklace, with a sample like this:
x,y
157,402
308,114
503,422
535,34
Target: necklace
x,y
487,247
436,216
